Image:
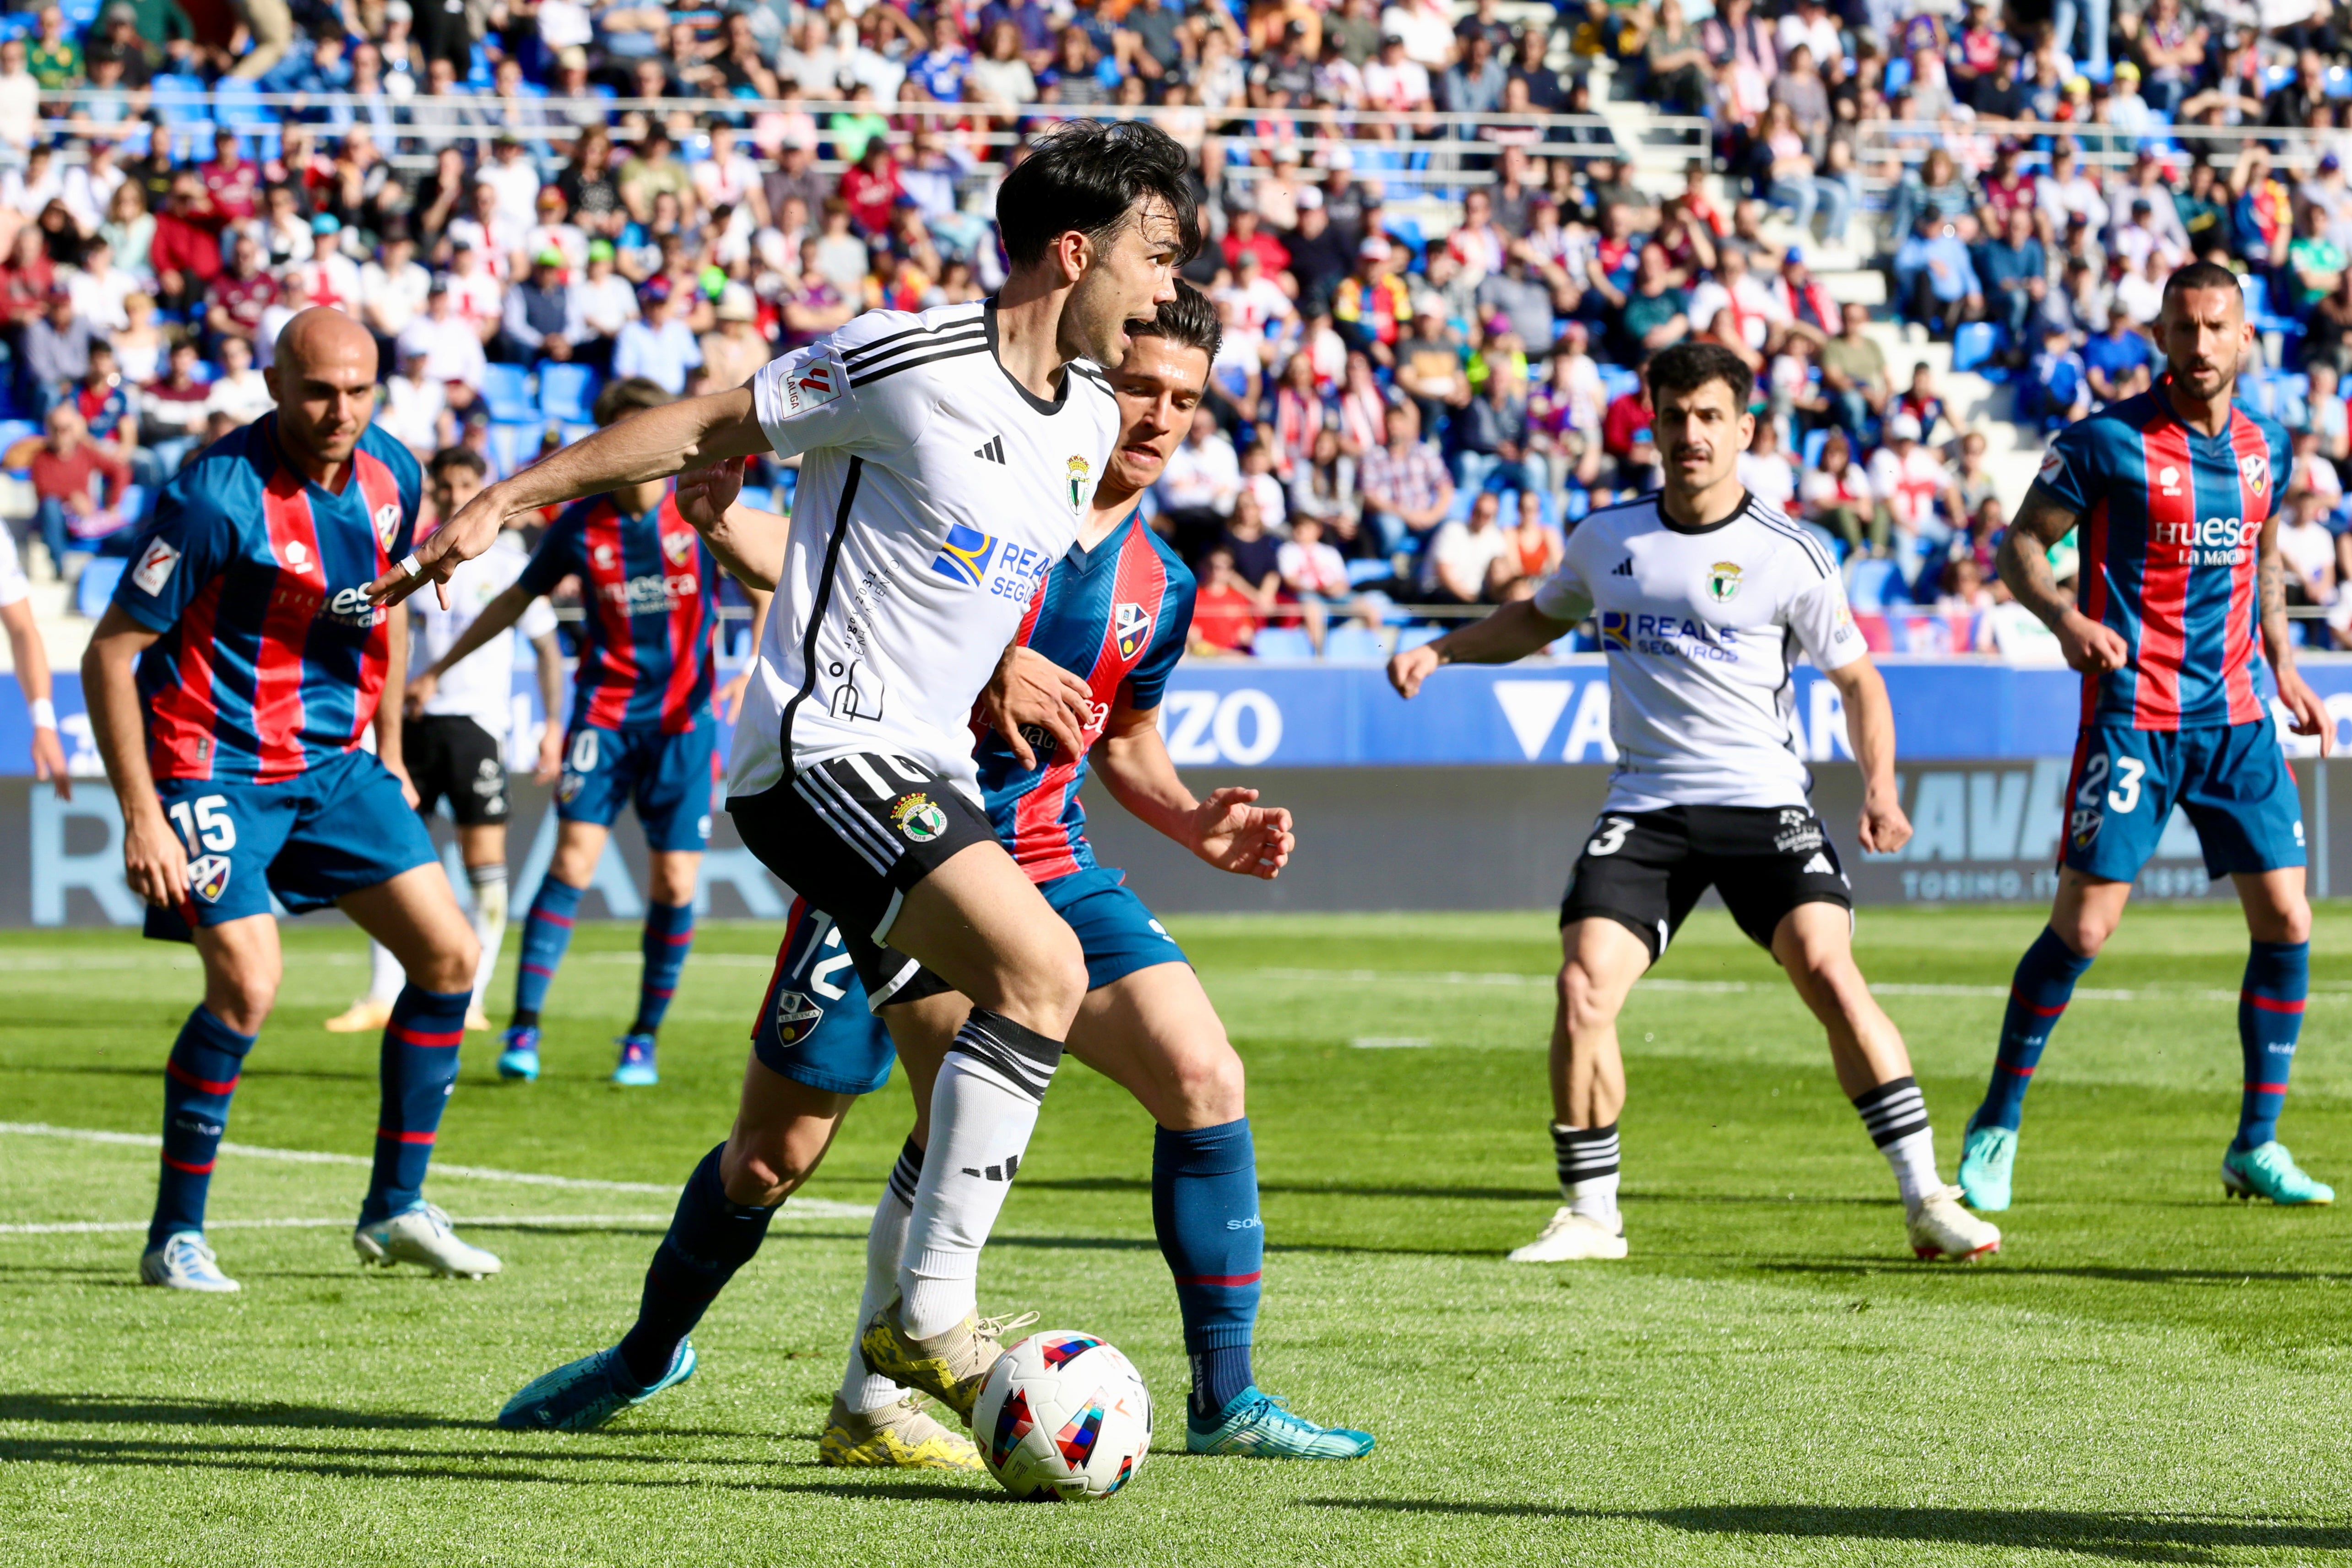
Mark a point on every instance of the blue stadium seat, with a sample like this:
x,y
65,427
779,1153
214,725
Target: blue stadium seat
x,y
1815,441
1352,644
1974,343
1362,572
94,589
1283,642
759,498
2339,82
1411,638
511,447
15,430
506,391
567,393
572,433
1872,583
1577,503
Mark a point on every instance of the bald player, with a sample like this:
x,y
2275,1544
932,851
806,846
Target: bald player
x,y
229,685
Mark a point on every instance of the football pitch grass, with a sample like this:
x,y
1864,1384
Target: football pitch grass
x,y
2146,1373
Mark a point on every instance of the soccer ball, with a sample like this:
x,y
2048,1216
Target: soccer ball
x,y
1063,1417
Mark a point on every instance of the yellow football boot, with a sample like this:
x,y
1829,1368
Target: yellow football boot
x,y
901,1435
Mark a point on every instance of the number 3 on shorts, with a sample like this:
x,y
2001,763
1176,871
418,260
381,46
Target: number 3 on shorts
x,y
1611,837
2126,794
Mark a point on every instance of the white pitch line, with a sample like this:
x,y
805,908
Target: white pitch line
x,y
114,1227
1732,987
807,1208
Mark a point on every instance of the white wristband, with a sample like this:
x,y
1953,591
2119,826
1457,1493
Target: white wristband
x,y
45,713
412,567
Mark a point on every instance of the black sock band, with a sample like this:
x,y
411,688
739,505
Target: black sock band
x,y
1585,1153
907,1173
1024,1058
1892,1111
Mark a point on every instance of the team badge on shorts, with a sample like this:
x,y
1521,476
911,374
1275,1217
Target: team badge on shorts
x,y
387,524
1723,581
208,878
796,1017
2256,472
567,789
917,817
1799,832
1081,483
1131,624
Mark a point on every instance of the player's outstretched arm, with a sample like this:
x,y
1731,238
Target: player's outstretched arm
x,y
1510,634
2023,563
2311,717
645,446
1870,732
1229,829
749,541
496,615
31,663
155,861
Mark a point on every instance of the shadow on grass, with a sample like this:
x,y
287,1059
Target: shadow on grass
x,y
2135,1537
114,1070
2114,1274
108,1410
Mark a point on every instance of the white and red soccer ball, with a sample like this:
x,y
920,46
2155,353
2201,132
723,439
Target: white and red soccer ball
x,y
1063,1417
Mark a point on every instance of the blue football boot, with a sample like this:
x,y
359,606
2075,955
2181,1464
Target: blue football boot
x,y
1259,1424
519,1057
2269,1171
1987,1159
588,1393
636,1069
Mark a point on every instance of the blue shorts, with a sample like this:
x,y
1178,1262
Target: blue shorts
x,y
814,1025
669,778
2231,779
341,827
1117,931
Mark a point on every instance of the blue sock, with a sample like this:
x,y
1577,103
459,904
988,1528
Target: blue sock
x,y
419,1066
709,1238
546,932
669,931
2270,1018
1204,1207
197,1082
2037,997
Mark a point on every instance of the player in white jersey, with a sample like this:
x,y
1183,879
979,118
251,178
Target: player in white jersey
x,y
947,460
31,662
454,733
1705,595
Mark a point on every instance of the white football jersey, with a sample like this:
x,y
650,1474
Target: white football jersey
x,y
480,688
13,584
934,492
1702,628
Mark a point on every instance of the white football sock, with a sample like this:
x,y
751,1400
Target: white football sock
x,y
385,977
884,1244
1914,1159
490,883
1595,1198
983,1108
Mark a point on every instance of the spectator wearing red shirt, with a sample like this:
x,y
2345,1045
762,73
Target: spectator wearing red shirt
x,y
1224,615
241,294
872,188
1244,234
26,280
231,183
1627,435
184,254
67,466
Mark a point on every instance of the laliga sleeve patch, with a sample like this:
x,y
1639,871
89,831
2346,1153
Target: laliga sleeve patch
x,y
155,568
2053,465
810,385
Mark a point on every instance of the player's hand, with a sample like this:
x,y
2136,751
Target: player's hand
x,y
551,756
2309,710
418,694
155,861
728,698
704,494
2090,647
465,536
1233,835
1031,691
399,770
1883,828
49,761
1408,670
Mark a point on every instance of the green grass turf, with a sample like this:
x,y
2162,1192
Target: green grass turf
x,y
2146,1374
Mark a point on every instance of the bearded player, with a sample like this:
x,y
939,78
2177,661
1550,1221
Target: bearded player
x,y
2174,492
1704,595
1118,606
228,686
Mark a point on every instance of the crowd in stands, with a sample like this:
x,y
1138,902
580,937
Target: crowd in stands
x,y
520,198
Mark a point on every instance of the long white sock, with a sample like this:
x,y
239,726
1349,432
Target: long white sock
x,y
1895,1115
489,884
1587,1169
884,1244
1914,1160
983,1108
385,977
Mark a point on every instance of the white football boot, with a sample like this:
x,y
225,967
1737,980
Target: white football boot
x,y
422,1236
1573,1238
184,1263
1940,1227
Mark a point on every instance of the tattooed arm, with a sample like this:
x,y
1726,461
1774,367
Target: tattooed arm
x,y
2024,564
2278,642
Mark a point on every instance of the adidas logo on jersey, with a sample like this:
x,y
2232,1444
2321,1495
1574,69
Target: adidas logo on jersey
x,y
992,452
1819,866
1623,568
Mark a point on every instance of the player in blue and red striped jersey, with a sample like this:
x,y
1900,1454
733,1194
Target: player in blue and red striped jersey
x,y
229,686
2173,498
642,731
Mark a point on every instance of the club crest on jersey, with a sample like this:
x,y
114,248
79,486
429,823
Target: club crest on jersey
x,y
208,878
1130,623
387,524
295,555
796,1017
2257,471
678,547
917,817
1081,483
2169,478
155,568
1723,581
815,385
965,557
